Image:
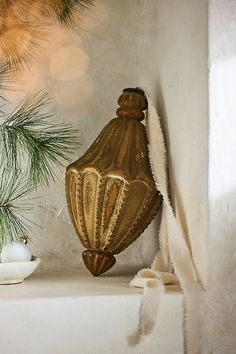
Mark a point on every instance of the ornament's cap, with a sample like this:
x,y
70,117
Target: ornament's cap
x,y
132,103
135,90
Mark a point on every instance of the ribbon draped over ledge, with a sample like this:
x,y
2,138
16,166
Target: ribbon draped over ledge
x,y
174,252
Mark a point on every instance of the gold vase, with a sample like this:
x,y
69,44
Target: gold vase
x,y
110,190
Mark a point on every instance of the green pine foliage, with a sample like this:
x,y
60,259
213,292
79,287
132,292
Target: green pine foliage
x,y
8,76
27,135
27,132
14,206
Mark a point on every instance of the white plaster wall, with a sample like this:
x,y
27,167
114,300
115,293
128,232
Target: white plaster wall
x,y
84,72
220,306
160,44
179,87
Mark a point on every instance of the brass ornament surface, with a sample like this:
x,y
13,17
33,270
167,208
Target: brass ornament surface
x,y
110,190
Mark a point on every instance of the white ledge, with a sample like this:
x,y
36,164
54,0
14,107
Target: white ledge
x,y
72,313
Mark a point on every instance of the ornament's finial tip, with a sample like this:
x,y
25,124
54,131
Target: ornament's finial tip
x,y
98,262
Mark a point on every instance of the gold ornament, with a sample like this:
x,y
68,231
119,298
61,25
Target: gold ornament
x,y
110,190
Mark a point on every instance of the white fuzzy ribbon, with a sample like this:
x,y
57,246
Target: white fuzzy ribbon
x,y
174,251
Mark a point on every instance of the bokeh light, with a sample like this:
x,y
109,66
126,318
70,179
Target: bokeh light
x,y
68,63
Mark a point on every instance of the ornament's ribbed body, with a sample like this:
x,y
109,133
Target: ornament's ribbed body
x,y
110,190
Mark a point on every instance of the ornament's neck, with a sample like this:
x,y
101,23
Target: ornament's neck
x,y
132,104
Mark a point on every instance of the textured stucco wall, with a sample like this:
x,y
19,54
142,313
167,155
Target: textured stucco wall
x,y
161,45
84,72
180,88
220,306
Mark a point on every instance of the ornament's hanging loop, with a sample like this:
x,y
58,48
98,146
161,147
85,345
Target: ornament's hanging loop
x,y
132,104
23,239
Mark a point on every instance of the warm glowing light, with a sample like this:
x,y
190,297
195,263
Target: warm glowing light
x,y
68,63
20,38
14,42
72,94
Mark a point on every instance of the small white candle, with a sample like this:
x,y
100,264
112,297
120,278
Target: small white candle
x,y
15,251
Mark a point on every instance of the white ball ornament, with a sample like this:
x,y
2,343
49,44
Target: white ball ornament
x,y
15,251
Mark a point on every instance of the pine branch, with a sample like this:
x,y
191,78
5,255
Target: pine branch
x,y
8,76
68,12
27,132
13,219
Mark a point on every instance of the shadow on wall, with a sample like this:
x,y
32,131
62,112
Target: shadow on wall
x,y
174,192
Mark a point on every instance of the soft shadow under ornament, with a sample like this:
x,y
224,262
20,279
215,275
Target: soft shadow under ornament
x,y
110,190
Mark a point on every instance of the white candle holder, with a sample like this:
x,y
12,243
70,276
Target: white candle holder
x,y
16,272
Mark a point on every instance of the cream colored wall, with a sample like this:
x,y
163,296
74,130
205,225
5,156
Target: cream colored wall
x,y
179,86
220,305
84,72
161,45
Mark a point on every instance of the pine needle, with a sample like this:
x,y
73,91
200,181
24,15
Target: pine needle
x,y
27,132
8,76
13,219
68,12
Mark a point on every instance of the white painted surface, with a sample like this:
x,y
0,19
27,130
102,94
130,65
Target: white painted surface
x,y
69,313
220,306
84,72
158,44
161,44
179,85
